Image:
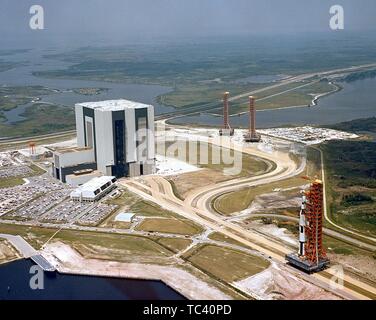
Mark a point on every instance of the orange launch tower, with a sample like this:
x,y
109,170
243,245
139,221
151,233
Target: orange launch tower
x,y
311,256
226,130
252,135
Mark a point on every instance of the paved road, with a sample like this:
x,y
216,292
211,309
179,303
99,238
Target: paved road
x,y
266,247
329,232
159,190
306,76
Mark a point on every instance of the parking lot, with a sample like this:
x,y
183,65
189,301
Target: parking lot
x,y
14,197
14,171
45,199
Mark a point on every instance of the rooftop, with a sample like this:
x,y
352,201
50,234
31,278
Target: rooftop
x,y
71,149
113,105
95,183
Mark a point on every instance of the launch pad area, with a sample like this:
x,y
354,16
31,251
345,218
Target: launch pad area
x,y
305,264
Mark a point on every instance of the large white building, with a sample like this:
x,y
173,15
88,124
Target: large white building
x,y
115,137
94,189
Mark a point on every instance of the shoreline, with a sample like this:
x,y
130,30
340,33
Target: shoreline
x,y
67,260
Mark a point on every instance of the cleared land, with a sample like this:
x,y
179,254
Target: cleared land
x,y
7,252
95,244
180,226
214,172
223,238
236,201
174,244
226,264
131,202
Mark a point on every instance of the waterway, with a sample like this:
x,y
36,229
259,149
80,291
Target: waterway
x,y
34,60
15,278
356,100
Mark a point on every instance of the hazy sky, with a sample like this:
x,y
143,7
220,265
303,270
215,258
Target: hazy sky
x,y
139,19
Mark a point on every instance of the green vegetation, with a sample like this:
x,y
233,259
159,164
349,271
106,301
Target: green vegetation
x,y
369,74
340,247
218,60
217,236
355,199
292,94
358,125
140,207
89,91
174,244
241,199
351,181
11,97
226,264
36,236
10,182
351,163
94,244
215,170
113,247
205,95
185,227
40,119
249,166
199,72
17,180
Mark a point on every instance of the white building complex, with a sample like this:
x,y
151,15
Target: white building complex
x,y
114,137
94,189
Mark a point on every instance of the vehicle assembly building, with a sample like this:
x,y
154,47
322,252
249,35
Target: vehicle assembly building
x,y
311,256
114,137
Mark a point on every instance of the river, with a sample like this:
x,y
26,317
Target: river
x,y
34,60
15,277
356,100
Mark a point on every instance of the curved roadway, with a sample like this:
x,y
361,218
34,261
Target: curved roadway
x,y
196,207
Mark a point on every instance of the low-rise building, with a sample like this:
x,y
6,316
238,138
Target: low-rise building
x,y
94,189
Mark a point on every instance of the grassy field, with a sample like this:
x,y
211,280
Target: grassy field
x,y
140,207
198,72
184,227
204,95
351,177
174,244
94,244
11,182
226,264
217,236
113,247
278,98
18,180
244,165
40,119
236,201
